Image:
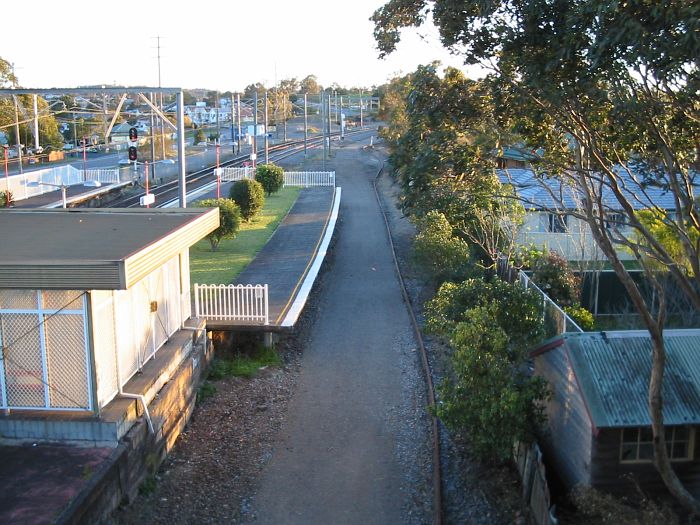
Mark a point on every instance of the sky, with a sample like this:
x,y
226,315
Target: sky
x,y
214,45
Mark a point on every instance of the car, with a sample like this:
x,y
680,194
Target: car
x,y
123,162
167,161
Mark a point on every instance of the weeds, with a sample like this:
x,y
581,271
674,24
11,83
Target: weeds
x,y
244,365
205,391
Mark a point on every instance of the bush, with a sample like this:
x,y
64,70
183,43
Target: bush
x,y
490,396
229,220
445,255
581,317
250,197
551,272
4,195
199,136
271,177
518,311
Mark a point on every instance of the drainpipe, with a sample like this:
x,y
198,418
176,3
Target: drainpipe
x,y
128,395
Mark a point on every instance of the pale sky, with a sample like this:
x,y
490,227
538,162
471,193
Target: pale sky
x,y
215,44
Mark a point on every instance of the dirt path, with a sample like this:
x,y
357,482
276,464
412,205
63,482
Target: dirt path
x,y
354,446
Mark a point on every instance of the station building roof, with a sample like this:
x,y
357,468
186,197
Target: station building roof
x,y
88,249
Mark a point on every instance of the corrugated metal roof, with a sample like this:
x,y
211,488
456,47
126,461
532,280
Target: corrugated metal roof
x,y
613,370
94,249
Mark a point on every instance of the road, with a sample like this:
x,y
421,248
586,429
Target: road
x,y
352,448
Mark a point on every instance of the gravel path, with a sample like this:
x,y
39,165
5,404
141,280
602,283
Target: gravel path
x,y
353,446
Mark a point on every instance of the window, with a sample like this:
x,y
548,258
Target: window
x,y
614,221
636,444
557,223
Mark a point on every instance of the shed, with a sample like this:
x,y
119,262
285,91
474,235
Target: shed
x,y
598,429
86,298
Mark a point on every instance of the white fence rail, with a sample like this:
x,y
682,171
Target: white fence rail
x,y
21,188
235,174
232,302
304,179
307,179
105,176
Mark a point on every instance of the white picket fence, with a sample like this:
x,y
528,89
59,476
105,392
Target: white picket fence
x,y
307,179
105,176
304,179
234,174
232,302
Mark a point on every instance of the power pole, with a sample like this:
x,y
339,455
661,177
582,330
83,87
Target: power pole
x,y
267,145
255,128
361,102
36,124
181,148
160,104
153,139
284,114
233,107
329,125
306,124
17,135
322,110
238,114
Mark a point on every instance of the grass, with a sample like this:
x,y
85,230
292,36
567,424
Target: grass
x,y
244,365
232,256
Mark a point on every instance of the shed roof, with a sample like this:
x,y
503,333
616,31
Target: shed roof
x,y
94,249
612,370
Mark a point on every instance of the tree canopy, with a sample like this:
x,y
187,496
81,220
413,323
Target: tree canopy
x,y
598,87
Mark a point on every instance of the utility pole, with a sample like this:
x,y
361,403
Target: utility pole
x,y
17,135
255,129
181,148
267,145
329,125
336,107
342,122
238,114
233,109
284,114
36,124
322,109
104,120
306,124
361,102
153,139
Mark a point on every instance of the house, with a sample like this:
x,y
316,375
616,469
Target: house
x,y
550,205
120,132
598,426
94,305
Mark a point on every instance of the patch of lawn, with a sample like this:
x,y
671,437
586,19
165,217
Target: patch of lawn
x,y
232,256
244,365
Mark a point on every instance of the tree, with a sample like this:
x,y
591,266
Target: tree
x,y
250,197
446,256
7,75
252,89
601,87
490,395
310,85
200,136
271,177
229,220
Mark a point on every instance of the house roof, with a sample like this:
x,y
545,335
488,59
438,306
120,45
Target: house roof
x,y
87,249
612,371
547,193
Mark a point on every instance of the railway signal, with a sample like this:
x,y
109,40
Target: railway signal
x,y
133,154
133,134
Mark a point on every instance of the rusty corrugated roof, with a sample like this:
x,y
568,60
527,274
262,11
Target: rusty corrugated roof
x,y
613,370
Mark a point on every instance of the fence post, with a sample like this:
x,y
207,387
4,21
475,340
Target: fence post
x,y
196,299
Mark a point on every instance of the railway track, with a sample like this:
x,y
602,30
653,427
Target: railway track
x,y
169,191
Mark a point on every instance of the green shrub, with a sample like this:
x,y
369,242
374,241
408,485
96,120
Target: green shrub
x,y
442,253
490,396
581,317
229,220
199,136
518,311
551,272
250,197
271,177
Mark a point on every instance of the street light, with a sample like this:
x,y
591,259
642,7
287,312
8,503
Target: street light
x,y
63,187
